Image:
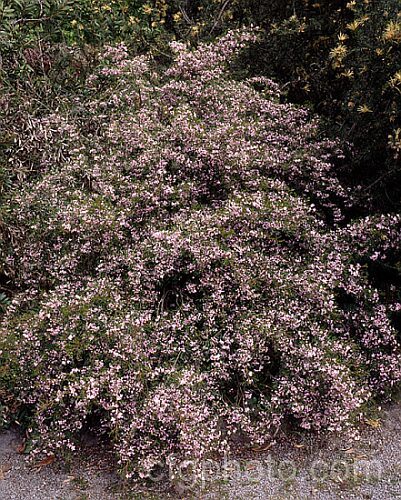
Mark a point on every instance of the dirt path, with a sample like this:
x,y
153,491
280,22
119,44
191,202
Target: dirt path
x,y
21,481
368,469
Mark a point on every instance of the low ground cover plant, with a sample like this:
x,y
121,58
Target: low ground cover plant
x,y
183,273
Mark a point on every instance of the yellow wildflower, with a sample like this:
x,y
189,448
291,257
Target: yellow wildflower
x,y
339,52
147,9
392,33
364,109
349,73
177,17
396,79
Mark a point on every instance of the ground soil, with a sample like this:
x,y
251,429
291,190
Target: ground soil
x,y
298,468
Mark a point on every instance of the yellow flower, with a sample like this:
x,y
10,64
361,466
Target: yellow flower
x,y
357,23
106,7
339,52
147,9
228,14
392,33
74,22
364,109
396,79
348,74
354,25
342,37
351,5
177,17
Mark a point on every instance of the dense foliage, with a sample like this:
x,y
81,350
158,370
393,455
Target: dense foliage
x,y
342,58
183,274
346,64
339,57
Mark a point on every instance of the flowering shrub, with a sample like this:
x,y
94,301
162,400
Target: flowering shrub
x,y
339,56
178,282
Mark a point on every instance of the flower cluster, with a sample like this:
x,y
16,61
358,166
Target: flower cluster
x,y
178,282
